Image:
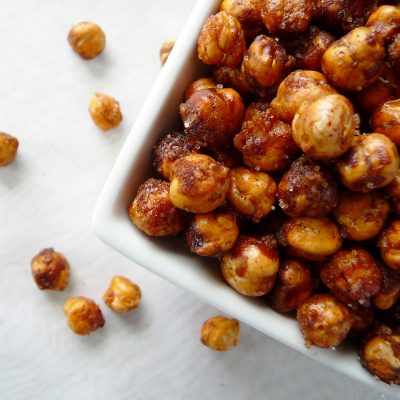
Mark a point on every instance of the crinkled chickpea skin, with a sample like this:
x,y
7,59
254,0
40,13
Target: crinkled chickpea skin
x,y
8,148
105,111
199,84
220,333
385,21
122,294
87,39
389,293
389,244
165,50
386,120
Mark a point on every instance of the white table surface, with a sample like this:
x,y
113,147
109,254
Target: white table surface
x,y
46,199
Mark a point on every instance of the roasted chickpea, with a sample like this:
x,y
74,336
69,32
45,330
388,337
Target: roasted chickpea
x,y
297,88
393,188
307,190
165,50
8,148
294,284
212,116
354,61
386,120
87,39
389,243
105,111
50,270
235,78
385,21
363,318
83,315
324,321
220,333
122,295
199,184
310,238
389,293
394,52
251,193
372,162
250,267
221,40
361,216
199,84
153,212
353,276
212,234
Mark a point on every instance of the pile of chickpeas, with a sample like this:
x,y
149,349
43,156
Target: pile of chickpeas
x,y
286,168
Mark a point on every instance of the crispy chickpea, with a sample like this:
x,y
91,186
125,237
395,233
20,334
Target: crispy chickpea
x,y
372,162
324,321
87,39
385,21
393,188
389,293
50,270
220,333
153,212
354,61
324,129
8,148
122,295
394,52
307,190
251,193
212,234
294,285
199,84
165,50
233,77
221,41
386,120
105,111
353,276
250,267
212,116
361,216
310,238
83,315
363,318
297,88
389,243
199,184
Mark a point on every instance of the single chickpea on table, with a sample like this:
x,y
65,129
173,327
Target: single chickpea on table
x,y
105,111
220,333
122,295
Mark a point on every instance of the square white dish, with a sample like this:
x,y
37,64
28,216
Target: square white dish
x,y
168,257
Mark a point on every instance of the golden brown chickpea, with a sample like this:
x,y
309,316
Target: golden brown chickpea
x,y
287,15
50,270
199,84
212,116
353,276
105,111
310,238
389,292
87,39
394,53
122,295
389,243
307,190
372,162
83,315
251,193
251,266
297,88
8,148
199,184
153,212
294,285
221,41
354,61
324,129
386,120
385,21
212,234
363,318
165,50
235,78
220,333
393,188
324,321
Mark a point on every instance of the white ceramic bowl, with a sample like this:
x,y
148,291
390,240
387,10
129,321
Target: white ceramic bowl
x,y
167,257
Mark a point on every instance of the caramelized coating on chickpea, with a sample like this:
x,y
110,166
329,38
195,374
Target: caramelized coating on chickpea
x,y
297,88
394,53
251,193
8,148
212,234
165,50
310,238
361,216
199,84
385,21
105,111
153,212
386,120
389,292
363,318
122,295
389,243
372,162
354,61
294,284
307,190
220,333
393,188
324,321
221,41
212,116
352,275
235,78
251,266
199,184
83,315
87,39
50,270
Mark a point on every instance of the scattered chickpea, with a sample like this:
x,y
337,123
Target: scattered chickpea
x,y
105,111
220,333
8,148
165,50
122,295
386,120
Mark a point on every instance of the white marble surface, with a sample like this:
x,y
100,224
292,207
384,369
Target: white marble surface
x,y
46,199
